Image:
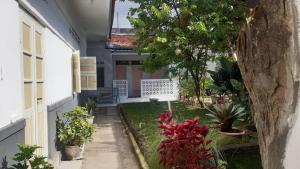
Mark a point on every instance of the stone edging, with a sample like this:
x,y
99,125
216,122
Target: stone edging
x,y
137,150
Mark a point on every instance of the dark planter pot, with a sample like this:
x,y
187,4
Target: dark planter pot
x,y
153,100
234,132
71,152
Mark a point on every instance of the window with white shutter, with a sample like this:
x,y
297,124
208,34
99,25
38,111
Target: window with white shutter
x,y
88,69
76,72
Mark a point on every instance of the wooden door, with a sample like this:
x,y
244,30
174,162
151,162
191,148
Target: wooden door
x,y
137,76
33,73
121,72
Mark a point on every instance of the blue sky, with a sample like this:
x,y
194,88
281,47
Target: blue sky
x,y
122,10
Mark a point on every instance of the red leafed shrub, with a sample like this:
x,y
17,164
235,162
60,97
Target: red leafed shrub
x,y
184,146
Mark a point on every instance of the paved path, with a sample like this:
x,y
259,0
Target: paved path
x,y
110,148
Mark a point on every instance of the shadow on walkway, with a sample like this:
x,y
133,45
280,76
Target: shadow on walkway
x,y
110,148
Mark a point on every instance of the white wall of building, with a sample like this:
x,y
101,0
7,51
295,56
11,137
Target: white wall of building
x,y
49,13
58,68
11,102
59,45
292,151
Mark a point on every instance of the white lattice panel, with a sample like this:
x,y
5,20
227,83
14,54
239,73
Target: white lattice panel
x,y
158,88
122,86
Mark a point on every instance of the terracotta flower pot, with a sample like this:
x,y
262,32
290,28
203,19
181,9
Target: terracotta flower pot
x,y
234,132
71,152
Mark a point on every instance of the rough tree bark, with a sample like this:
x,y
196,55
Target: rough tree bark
x,y
267,57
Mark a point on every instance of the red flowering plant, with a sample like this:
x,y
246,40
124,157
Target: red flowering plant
x,y
184,146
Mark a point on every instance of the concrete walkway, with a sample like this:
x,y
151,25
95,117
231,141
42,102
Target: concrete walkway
x,y
110,148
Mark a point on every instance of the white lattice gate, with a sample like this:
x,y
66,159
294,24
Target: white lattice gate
x,y
122,86
163,89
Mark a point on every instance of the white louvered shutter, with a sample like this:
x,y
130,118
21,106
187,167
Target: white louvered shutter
x,y
88,68
76,72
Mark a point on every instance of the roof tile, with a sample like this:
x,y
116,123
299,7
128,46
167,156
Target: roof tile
x,y
123,40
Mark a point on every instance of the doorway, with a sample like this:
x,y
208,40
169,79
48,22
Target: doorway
x,y
33,82
130,71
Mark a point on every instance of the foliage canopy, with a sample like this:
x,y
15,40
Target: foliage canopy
x,y
186,34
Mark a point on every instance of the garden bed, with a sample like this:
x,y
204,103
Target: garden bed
x,y
142,121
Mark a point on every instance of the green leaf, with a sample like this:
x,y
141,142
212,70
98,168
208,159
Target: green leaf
x,y
236,84
201,27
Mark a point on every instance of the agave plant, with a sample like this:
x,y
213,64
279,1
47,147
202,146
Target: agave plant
x,y
224,115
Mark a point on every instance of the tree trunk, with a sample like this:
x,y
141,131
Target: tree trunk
x,y
268,59
197,87
198,92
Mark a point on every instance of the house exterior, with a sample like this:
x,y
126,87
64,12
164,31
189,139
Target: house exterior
x,y
41,43
119,75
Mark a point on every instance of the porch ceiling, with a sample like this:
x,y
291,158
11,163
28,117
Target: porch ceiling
x,y
93,16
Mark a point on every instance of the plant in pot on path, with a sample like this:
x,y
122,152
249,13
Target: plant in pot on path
x,y
224,115
74,129
90,106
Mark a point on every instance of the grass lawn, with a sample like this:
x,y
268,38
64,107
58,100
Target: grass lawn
x,y
244,161
143,119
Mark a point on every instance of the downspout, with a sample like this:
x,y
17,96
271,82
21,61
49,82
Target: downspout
x,y
112,14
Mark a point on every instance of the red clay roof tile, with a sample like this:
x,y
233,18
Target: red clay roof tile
x,y
123,40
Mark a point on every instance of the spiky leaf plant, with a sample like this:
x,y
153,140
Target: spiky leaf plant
x,y
224,115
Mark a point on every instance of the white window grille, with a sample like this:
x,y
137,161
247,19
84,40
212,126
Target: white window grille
x,y
159,88
122,86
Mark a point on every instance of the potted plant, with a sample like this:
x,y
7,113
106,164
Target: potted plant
x,y
90,106
74,130
224,115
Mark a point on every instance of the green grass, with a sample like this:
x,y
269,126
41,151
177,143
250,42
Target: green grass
x,y
143,118
245,161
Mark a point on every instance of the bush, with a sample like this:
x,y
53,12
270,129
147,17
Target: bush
x,y
26,159
184,146
75,129
187,86
226,71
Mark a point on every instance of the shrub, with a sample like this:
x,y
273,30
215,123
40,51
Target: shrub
x,y
224,115
226,71
184,146
27,159
75,129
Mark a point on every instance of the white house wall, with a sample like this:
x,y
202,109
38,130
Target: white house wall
x,y
11,102
71,17
292,151
58,44
49,13
58,68
58,47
